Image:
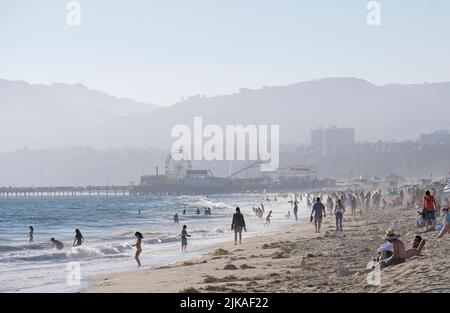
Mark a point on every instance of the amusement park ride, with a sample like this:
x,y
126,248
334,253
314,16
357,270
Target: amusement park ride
x,y
180,178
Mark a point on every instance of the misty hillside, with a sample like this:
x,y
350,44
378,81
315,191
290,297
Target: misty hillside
x,y
47,116
392,112
59,114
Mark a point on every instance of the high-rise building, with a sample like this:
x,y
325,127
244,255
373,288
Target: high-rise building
x,y
436,137
334,140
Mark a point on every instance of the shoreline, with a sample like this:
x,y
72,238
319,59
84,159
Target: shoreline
x,y
92,281
298,260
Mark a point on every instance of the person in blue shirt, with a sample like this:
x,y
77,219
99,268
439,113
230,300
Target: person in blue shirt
x,y
318,211
446,228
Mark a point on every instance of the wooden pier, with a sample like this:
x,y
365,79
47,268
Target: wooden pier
x,y
67,191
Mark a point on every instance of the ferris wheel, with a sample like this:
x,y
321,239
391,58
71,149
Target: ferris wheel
x,y
175,168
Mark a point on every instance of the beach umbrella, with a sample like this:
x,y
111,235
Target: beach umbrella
x,y
447,189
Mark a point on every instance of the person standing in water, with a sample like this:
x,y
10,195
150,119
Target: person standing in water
x,y
268,218
56,244
184,235
30,234
175,218
318,211
138,243
237,224
295,211
78,238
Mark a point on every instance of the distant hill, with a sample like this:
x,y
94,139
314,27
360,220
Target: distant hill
x,y
392,112
59,114
62,114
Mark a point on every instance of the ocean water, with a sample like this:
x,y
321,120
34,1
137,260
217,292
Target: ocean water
x,y
108,225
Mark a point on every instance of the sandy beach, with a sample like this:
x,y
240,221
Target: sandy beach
x,y
300,260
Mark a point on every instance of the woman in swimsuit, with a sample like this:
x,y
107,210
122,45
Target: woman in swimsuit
x,y
139,238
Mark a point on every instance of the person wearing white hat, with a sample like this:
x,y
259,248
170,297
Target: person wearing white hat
x,y
398,250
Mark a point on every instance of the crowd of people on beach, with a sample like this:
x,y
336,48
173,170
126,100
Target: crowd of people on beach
x,y
392,252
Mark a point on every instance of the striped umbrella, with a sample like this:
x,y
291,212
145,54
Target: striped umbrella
x,y
447,188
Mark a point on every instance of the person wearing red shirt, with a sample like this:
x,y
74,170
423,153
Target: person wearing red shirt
x,y
429,208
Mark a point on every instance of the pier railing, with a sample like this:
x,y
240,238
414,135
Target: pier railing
x,y
66,191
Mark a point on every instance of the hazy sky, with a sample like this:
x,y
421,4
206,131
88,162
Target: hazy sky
x,y
159,51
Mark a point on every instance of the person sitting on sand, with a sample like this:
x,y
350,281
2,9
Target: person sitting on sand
x,y
78,240
184,235
237,224
268,218
56,244
138,243
416,247
384,252
318,211
446,228
398,250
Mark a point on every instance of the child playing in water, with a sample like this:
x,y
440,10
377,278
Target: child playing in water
x,y
139,238
184,235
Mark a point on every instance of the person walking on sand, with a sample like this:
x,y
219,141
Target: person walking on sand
x,y
138,244
330,205
339,211
238,224
268,218
295,211
318,211
78,240
353,205
184,235
31,234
